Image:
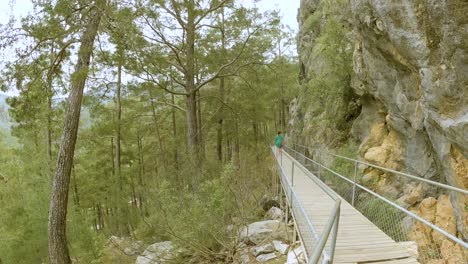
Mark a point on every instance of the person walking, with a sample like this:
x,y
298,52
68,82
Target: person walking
x,y
279,142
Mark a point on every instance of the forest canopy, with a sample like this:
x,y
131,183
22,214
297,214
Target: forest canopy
x,y
146,119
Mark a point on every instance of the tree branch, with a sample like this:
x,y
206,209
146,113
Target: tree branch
x,y
169,104
223,67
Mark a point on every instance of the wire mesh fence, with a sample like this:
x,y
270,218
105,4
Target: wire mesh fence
x,y
401,207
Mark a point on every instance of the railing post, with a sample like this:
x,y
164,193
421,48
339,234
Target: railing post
x,y
281,195
334,235
292,175
354,184
319,170
281,157
287,211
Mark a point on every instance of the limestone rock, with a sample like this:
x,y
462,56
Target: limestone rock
x,y
244,257
128,246
409,80
266,257
376,136
460,166
444,218
408,63
412,194
267,203
377,155
274,213
264,249
263,231
156,254
453,254
427,209
388,187
436,261
421,233
280,247
371,176
296,256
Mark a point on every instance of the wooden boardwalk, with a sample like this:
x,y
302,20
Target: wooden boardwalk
x,y
358,240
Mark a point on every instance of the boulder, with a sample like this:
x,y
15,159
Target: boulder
x,y
156,254
268,248
268,203
280,247
377,155
266,257
275,213
296,256
372,176
413,193
128,246
388,188
263,231
244,257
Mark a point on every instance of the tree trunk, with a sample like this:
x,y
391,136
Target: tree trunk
x,y
58,249
156,127
219,146
174,134
49,128
141,168
49,120
112,155
192,123
237,144
200,126
118,112
75,188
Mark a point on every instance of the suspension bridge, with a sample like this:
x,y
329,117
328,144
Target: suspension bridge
x,y
339,220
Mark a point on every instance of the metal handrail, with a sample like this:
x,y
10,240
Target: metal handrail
x,y
445,186
332,223
411,214
334,217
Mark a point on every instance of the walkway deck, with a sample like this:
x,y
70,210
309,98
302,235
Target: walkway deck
x,y
358,240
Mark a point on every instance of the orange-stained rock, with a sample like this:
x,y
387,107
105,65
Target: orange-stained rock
x,y
377,155
371,176
427,209
452,253
460,166
375,138
420,232
444,218
436,261
413,193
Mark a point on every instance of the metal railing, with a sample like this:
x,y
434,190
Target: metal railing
x,y
313,243
398,222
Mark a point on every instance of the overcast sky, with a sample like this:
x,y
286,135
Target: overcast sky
x,y
288,9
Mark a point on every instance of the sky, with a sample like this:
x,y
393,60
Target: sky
x,y
288,9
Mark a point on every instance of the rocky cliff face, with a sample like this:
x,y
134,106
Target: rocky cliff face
x,y
411,64
410,84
